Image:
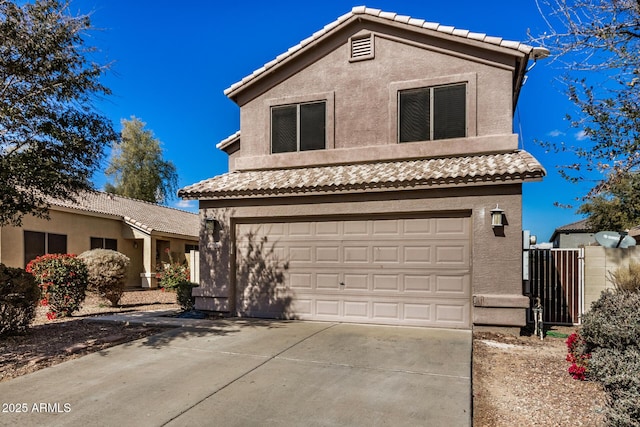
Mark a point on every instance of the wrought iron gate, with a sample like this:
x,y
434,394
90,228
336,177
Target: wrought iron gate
x,y
556,276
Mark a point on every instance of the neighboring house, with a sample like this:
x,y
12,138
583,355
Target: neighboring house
x,y
143,231
362,182
573,235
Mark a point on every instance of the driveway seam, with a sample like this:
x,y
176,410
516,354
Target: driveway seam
x,y
248,372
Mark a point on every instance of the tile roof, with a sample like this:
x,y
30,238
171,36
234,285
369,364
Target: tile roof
x,y
579,226
363,11
385,175
143,215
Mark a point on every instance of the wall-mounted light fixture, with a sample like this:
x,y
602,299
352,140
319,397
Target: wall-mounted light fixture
x,y
496,217
213,227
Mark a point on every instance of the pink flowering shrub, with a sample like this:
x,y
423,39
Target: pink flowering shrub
x,y
577,356
62,279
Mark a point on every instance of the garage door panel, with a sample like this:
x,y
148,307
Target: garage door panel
x,y
418,227
452,255
453,285
326,307
386,254
355,228
326,281
418,255
355,254
386,310
328,254
357,282
386,227
452,226
413,271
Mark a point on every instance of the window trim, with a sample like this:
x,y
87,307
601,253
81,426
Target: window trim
x,y
471,102
327,97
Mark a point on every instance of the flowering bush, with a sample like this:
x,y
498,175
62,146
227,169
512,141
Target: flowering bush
x,y
63,281
175,277
107,271
577,356
19,297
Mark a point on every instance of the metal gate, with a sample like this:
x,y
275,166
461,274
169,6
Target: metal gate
x,y
556,276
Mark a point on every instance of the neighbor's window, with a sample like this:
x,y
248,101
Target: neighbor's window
x,y
298,127
37,243
430,113
104,243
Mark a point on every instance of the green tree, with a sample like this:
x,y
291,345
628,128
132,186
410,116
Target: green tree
x,y
138,168
617,208
598,44
51,138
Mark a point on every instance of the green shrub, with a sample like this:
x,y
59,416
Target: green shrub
x,y
627,278
63,281
611,331
19,296
183,295
107,271
613,321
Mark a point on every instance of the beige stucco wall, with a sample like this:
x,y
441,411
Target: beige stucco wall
x,y
79,228
598,261
496,259
362,96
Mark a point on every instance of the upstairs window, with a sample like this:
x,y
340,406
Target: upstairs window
x,y
432,113
298,127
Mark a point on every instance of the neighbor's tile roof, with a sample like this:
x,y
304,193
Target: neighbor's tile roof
x,y
578,226
394,175
360,11
143,215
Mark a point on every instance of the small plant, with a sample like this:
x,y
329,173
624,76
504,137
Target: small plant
x,y
175,277
626,278
62,279
578,357
107,271
19,297
184,295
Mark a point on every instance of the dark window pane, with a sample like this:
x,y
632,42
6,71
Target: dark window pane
x,y
34,245
414,115
449,115
111,244
284,129
312,126
57,243
189,248
97,243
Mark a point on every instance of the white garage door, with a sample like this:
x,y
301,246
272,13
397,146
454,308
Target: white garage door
x,y
410,271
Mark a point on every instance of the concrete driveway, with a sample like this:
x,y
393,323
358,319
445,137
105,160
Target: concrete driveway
x,y
257,373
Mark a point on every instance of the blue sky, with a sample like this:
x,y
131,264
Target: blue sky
x,y
171,62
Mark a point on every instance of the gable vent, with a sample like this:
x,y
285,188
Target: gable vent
x,y
362,48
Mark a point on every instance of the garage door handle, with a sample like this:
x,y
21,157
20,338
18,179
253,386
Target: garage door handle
x,y
341,283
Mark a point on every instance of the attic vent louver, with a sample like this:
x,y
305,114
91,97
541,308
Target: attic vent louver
x,y
362,48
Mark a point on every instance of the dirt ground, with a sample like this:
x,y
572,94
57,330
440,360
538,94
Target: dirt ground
x,y
523,381
49,342
517,381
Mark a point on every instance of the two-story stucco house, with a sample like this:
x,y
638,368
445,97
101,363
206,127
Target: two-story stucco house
x,y
361,185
